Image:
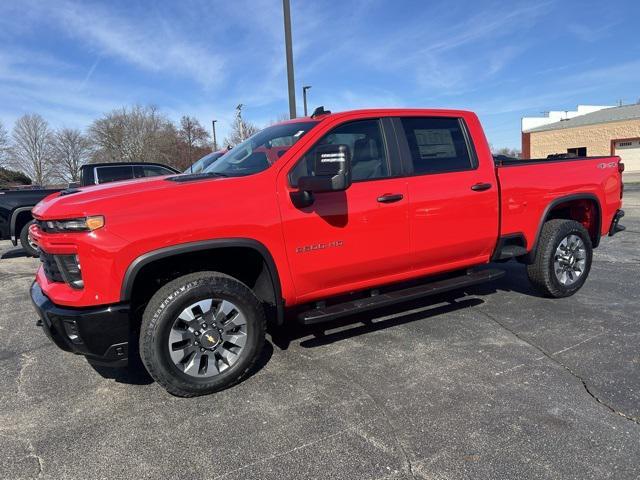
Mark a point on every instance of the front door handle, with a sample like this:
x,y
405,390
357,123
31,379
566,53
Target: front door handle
x,y
390,198
480,187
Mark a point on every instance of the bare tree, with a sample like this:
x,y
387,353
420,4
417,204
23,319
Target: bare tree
x,y
138,134
193,136
507,152
4,146
70,151
240,131
31,152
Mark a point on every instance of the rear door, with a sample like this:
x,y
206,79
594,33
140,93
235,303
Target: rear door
x,y
351,239
453,197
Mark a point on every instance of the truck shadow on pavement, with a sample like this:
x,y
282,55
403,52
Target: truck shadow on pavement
x,y
363,323
136,374
14,253
353,325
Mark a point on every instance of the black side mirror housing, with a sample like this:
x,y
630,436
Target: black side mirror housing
x,y
332,170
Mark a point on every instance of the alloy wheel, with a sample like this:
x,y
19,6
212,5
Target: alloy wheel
x,y
208,337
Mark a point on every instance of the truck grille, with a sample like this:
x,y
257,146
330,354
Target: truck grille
x,y
50,267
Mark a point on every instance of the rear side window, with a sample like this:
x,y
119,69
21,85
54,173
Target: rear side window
x,y
111,174
437,144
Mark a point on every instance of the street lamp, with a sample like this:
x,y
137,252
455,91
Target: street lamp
x,y
213,127
304,97
289,54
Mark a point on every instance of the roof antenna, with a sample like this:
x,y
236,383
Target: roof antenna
x,y
319,112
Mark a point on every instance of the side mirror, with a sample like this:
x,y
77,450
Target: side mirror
x,y
332,170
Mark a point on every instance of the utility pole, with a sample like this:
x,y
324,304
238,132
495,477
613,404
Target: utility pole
x,y
213,127
240,122
304,97
289,53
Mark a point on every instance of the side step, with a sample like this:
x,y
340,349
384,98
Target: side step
x,y
328,313
511,251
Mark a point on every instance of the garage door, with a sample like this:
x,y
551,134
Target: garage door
x,y
629,152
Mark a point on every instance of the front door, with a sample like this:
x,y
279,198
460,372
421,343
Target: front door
x,y
348,240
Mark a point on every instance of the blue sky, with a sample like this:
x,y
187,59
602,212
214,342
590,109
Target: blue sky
x,y
73,61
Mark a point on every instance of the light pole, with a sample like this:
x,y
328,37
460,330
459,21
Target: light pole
x,y
289,53
240,122
213,127
304,97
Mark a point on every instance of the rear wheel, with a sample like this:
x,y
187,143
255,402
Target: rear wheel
x,y
563,259
27,243
201,333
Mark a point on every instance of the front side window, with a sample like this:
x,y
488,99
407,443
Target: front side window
x,y
112,174
366,145
259,151
437,144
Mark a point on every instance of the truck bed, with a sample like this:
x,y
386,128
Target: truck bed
x,y
530,188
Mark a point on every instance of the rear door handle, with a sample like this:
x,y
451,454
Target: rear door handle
x,y
480,187
390,198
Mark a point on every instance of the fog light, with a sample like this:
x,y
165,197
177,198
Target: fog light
x,y
69,266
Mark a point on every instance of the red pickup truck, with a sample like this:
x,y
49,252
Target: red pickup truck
x,y
332,214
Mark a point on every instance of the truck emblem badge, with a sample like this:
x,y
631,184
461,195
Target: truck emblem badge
x,y
319,246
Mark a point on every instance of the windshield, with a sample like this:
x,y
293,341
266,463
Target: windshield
x,y
204,162
259,151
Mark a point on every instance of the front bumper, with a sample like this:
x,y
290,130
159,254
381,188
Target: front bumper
x,y
615,227
99,333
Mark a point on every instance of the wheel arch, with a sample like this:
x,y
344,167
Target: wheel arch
x,y
217,246
561,204
15,227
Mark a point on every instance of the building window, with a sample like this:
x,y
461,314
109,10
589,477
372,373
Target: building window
x,y
625,144
578,151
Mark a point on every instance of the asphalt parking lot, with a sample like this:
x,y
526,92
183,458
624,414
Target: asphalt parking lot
x,y
498,384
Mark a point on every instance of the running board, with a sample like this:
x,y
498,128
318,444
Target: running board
x,y
328,313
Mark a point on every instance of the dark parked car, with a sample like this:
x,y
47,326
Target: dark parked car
x,y
16,205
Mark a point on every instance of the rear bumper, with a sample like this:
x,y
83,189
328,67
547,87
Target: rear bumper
x,y
615,226
99,333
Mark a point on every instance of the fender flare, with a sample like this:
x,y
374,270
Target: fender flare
x,y
557,201
165,252
14,219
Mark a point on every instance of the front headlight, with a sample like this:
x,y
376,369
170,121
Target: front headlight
x,y
86,224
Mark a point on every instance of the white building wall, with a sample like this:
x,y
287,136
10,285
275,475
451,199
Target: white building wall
x,y
558,115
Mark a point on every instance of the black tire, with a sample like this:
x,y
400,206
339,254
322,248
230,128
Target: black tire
x,y
541,272
165,307
24,240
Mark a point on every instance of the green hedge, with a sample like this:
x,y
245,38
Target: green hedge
x,y
10,177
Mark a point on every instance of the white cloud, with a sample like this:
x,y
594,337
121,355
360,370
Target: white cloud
x,y
149,42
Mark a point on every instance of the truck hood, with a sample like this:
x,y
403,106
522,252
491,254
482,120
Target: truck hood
x,y
117,196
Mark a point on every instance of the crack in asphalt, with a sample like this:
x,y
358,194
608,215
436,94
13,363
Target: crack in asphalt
x,y
566,367
385,414
26,360
31,452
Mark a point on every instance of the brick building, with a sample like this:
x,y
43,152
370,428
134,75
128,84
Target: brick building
x,y
608,131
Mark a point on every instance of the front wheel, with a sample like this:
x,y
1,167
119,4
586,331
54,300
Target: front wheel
x,y
201,333
563,259
27,243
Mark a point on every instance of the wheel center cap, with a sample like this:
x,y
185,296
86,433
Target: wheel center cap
x,y
210,338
